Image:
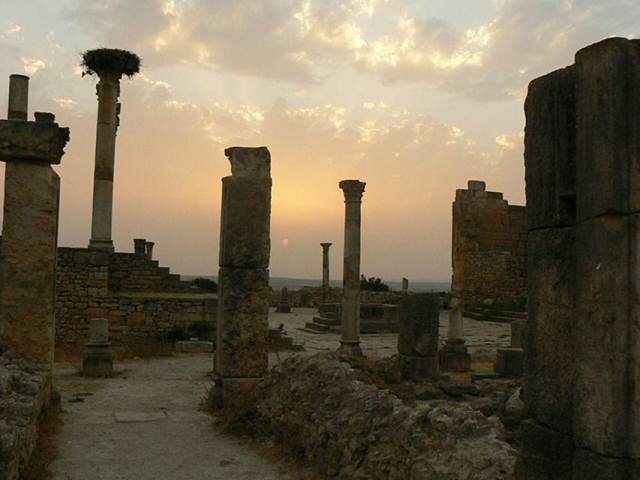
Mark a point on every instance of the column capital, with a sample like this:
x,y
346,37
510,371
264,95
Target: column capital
x,y
253,162
353,190
325,246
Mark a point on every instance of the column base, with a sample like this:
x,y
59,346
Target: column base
x,y
105,245
454,356
97,361
351,348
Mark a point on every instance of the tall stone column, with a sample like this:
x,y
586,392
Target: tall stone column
x,y
30,227
350,340
325,270
243,292
110,65
582,341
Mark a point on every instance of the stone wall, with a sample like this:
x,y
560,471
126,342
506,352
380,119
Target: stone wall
x,y
143,304
489,248
312,297
25,393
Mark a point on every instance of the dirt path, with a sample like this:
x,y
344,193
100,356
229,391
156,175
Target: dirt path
x,y
145,424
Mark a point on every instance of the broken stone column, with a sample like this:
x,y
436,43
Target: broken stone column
x,y
30,227
325,270
582,380
110,65
418,337
140,246
243,306
98,357
283,304
350,339
453,355
149,249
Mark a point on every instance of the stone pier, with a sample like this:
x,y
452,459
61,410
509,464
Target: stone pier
x,y
405,285
140,246
454,356
581,341
110,65
350,339
325,270
283,303
245,244
30,227
98,357
418,337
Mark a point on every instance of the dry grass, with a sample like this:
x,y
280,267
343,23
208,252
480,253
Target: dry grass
x,y
39,466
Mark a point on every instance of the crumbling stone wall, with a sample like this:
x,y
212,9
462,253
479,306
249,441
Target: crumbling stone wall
x,y
489,248
139,316
25,391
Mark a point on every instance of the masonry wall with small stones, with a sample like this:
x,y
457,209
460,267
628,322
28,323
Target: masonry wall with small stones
x,y
142,301
489,248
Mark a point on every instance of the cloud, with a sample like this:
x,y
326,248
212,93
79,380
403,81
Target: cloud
x,y
65,103
33,65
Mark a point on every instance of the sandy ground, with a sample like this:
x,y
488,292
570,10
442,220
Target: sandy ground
x,y
145,423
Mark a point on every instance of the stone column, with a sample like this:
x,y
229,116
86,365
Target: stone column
x,y
149,249
140,246
243,306
405,285
582,341
418,337
350,340
325,270
108,89
98,357
30,228
454,356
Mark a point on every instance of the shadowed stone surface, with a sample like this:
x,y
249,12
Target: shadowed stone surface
x,y
418,336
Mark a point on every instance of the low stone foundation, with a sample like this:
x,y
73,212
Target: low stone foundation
x,y
351,429
25,393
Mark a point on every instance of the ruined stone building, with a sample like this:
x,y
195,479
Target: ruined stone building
x,y
488,249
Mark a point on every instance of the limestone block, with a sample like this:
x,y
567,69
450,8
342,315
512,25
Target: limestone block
x,y
250,162
608,336
33,141
550,149
545,455
28,264
245,222
549,330
243,308
510,362
608,128
418,335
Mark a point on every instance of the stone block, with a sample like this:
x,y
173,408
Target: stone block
x,y
454,356
510,362
28,265
550,150
419,368
419,322
608,128
243,309
606,400
545,455
549,331
32,141
245,222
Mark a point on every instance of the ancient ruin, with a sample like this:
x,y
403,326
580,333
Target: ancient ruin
x,y
350,341
325,271
488,253
418,337
110,65
581,368
30,227
245,246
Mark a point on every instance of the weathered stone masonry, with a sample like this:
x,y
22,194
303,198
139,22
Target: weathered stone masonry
x,y
488,249
141,300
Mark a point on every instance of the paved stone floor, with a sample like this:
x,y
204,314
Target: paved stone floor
x,y
479,335
145,423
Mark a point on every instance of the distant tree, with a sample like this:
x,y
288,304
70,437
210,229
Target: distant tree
x,y
205,284
373,284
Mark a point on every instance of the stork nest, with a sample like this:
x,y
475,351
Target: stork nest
x,y
110,61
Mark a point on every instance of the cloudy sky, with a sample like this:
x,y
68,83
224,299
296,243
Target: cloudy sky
x,y
414,97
